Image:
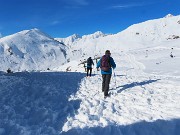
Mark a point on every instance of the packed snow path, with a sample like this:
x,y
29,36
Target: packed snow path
x,y
136,99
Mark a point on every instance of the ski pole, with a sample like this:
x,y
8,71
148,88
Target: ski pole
x,y
114,79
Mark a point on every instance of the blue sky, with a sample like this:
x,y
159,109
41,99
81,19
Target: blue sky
x,y
62,18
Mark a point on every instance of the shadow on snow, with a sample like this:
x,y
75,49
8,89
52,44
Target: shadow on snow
x,y
158,127
134,84
37,103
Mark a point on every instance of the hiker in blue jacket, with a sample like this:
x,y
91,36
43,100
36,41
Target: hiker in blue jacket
x,y
106,63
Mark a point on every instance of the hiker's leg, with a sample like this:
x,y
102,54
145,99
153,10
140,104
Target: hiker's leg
x,y
90,71
106,87
87,71
103,82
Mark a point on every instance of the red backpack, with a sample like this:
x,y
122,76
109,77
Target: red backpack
x,y
105,63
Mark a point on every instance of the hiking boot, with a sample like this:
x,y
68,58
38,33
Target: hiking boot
x,y
106,96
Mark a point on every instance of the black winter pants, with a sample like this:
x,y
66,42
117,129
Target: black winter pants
x,y
105,83
89,69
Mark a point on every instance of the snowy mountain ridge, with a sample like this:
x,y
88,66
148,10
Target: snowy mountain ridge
x,y
168,15
69,40
143,35
16,50
31,50
75,37
156,30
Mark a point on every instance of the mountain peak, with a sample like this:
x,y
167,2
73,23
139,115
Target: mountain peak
x,y
35,33
34,30
32,48
30,30
168,15
94,35
99,32
75,36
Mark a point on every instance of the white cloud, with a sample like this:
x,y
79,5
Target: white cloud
x,y
76,3
55,22
125,6
81,2
129,5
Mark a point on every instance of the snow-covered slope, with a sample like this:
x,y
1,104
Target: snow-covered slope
x,y
75,37
143,35
138,105
80,47
31,50
69,40
153,31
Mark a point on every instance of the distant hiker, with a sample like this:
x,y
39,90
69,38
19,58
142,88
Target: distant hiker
x,y
171,55
68,69
9,70
85,67
89,66
106,63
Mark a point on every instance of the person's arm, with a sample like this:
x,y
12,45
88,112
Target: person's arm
x,y
92,62
98,64
113,64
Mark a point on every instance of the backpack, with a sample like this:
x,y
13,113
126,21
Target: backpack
x,y
105,63
89,62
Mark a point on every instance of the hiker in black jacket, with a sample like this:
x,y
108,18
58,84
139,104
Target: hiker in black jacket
x,y
89,66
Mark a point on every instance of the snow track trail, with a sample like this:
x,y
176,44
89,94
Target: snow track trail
x,y
135,97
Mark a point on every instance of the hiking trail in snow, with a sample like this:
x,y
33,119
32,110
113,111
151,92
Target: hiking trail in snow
x,y
135,96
